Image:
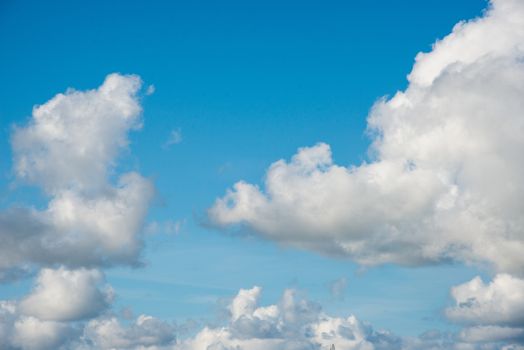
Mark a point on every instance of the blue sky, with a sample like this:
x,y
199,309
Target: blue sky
x,y
245,84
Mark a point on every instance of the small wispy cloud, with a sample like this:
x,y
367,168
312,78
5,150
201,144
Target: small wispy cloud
x,y
150,90
169,227
175,137
224,168
338,288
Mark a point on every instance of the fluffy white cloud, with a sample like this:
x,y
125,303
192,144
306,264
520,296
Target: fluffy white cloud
x,y
108,225
21,332
445,180
67,295
72,140
30,333
70,309
493,311
498,34
501,302
293,323
78,231
45,319
68,148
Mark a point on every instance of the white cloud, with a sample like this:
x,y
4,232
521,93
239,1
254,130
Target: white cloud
x,y
72,140
445,180
69,148
69,309
493,312
111,223
102,333
67,295
45,319
78,231
245,302
501,302
30,333
500,33
293,323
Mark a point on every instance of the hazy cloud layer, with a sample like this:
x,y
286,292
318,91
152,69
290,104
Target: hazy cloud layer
x,y
445,179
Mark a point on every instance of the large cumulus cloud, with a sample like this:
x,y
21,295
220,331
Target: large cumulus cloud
x,y
445,177
69,149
